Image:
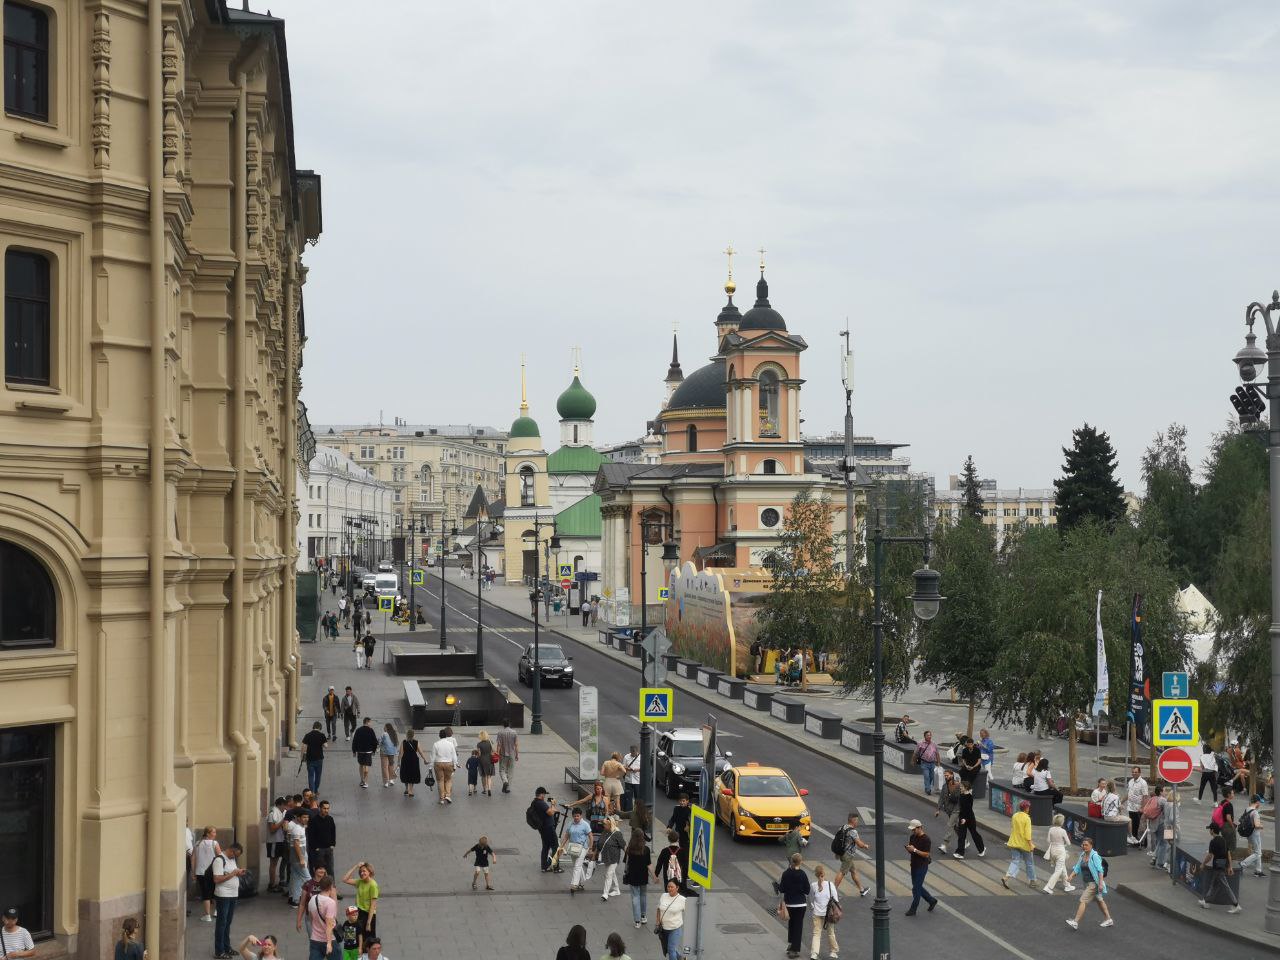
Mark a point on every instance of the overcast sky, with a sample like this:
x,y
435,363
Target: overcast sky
x,y
1033,215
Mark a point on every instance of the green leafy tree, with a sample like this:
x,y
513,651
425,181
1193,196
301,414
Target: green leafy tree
x,y
1170,507
971,487
962,645
1088,485
801,608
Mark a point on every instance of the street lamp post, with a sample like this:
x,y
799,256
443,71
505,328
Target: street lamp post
x,y
926,601
535,722
1249,403
649,676
444,550
479,600
412,554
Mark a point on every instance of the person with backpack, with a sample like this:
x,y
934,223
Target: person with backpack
x,y
1218,864
1092,870
1153,816
1224,817
226,874
541,816
1249,828
845,845
206,849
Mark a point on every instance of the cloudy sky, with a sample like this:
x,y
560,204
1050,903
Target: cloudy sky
x,y
1033,215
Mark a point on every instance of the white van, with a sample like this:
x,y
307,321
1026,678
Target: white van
x,y
387,585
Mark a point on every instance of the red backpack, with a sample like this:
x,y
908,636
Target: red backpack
x,y
1151,809
1217,817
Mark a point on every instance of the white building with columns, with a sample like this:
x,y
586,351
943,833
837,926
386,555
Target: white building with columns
x,y
339,490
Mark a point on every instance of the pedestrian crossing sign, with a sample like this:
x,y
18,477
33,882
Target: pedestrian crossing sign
x,y
655,705
419,578
1177,723
702,836
387,604
566,570
664,593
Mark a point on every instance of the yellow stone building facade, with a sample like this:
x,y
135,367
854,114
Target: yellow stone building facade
x,y
153,220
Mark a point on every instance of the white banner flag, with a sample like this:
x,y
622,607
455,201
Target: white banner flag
x,y
1104,679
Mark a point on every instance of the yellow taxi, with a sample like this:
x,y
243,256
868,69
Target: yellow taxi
x,y
756,801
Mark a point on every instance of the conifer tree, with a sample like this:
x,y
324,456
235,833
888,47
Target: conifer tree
x,y
972,489
1088,485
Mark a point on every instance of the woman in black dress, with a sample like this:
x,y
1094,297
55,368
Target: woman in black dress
x,y
487,751
410,769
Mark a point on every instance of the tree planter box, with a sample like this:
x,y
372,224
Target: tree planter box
x,y
605,637
730,687
787,709
1004,798
688,668
1189,868
1109,836
901,756
669,660
757,698
620,642
857,738
822,723
632,648
979,782
708,676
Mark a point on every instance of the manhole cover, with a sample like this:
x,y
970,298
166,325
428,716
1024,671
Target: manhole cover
x,y
507,851
308,669
742,928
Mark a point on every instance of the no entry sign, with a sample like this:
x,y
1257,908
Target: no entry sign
x,y
1175,765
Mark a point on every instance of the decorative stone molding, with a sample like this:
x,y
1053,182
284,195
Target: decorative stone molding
x,y
101,90
172,131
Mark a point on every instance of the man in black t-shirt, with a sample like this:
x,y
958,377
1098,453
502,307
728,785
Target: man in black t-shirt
x,y
313,752
919,846
363,743
547,809
1218,864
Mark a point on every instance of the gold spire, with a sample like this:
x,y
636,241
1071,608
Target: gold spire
x,y
729,285
576,354
762,261
524,396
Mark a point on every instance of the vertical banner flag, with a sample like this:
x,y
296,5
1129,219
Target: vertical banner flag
x,y
1104,679
1139,692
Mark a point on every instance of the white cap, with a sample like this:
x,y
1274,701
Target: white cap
x,y
913,824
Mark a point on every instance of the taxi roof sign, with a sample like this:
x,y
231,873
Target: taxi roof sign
x,y
656,705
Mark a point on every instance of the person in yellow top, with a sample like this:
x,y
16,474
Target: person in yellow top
x,y
1021,847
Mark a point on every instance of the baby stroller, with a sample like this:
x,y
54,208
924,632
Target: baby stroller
x,y
1226,773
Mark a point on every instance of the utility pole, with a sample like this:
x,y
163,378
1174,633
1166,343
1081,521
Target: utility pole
x,y
846,374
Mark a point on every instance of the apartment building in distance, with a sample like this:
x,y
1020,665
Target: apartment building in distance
x,y
153,220
1002,509
344,511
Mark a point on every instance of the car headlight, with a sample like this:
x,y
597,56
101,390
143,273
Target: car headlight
x,y
677,768
568,669
743,813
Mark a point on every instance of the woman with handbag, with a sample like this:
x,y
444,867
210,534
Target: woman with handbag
x,y
487,754
670,920
410,768
824,903
636,876
793,891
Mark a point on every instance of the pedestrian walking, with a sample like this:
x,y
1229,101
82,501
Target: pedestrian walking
x,y
636,876
299,867
1092,870
631,779
617,949
373,951
473,772
1251,829
15,941
226,893
361,877
128,947
410,755
1224,817
322,915
487,753
363,744
988,747
613,770
508,754
388,747
357,647
350,934
845,845
926,755
679,821
669,866
267,947
949,806
610,851
444,760
793,900
275,843
369,643
670,918
920,848
1136,791
485,858
824,907
577,842
313,745
1155,810
793,843
542,816
331,706
344,609
967,824
206,849
322,838
350,713
1056,854
1208,772
585,610
575,945
1021,847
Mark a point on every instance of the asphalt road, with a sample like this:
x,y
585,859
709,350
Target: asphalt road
x,y
976,918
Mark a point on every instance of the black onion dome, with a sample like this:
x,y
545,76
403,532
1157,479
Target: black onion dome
x,y
703,389
762,316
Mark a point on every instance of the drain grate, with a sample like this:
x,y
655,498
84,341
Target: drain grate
x,y
506,851
740,928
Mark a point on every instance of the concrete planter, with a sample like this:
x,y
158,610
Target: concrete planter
x,y
822,723
730,687
787,709
1004,798
687,669
855,737
708,677
757,698
1110,837
669,660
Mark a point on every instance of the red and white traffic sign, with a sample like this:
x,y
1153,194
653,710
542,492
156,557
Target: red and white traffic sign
x,y
566,583
1175,765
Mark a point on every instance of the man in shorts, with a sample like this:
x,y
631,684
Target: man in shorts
x,y
848,859
275,842
363,743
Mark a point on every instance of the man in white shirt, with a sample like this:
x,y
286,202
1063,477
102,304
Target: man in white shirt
x,y
295,835
15,941
226,891
444,760
1135,797
631,782
275,842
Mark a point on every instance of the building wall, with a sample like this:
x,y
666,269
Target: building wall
x,y
211,694
334,497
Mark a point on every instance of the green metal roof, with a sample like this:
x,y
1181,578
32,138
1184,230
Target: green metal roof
x,y
574,460
576,403
524,427
580,520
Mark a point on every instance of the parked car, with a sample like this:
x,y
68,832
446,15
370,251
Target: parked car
x,y
555,666
679,763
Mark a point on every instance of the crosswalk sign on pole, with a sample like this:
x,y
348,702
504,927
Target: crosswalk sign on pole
x,y
1176,723
387,604
664,593
702,836
419,578
656,705
566,570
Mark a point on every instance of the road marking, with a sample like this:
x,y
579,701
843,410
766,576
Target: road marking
x,y
985,932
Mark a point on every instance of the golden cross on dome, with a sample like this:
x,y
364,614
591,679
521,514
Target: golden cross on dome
x,y
762,260
729,285
576,353
524,397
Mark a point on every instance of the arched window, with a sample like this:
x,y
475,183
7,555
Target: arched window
x,y
770,466
768,403
527,498
428,492
691,436
26,601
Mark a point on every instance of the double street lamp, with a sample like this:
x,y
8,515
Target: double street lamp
x,y
651,531
535,722
444,553
1251,401
926,600
479,575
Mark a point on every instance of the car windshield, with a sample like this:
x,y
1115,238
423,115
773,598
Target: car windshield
x,y
766,785
548,653
686,748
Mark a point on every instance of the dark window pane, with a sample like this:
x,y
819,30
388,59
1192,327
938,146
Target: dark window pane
x,y
26,825
26,25
26,600
26,317
26,61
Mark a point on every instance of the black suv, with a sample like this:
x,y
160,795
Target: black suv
x,y
679,763
556,667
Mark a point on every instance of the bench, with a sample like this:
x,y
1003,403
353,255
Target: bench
x,y
687,668
632,648
822,723
859,739
1005,798
669,661
979,782
730,687
582,787
787,709
757,698
901,756
1110,837
605,637
709,677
